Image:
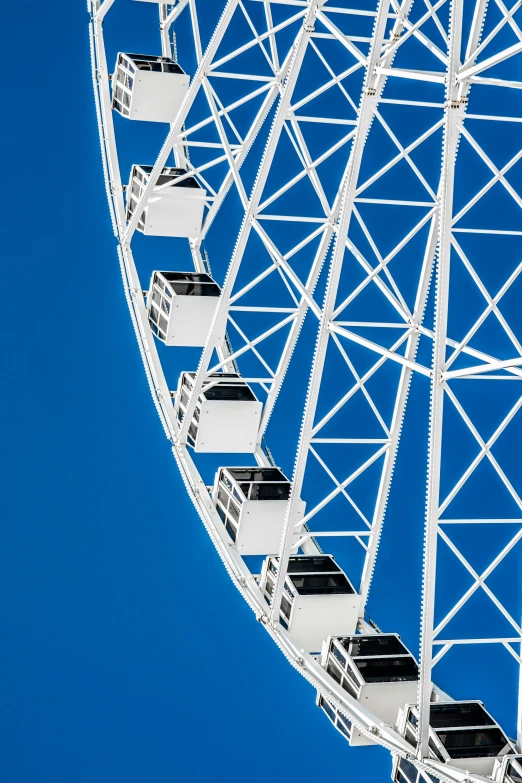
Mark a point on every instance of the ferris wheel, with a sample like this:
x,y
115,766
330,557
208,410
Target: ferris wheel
x,y
286,259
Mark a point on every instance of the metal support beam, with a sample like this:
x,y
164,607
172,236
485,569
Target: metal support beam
x,y
453,113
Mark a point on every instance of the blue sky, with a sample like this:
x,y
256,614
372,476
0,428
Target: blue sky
x,y
125,651
124,655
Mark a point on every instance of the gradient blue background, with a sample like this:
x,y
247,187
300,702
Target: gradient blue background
x,y
122,655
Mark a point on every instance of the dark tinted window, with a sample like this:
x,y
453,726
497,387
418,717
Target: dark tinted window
x,y
163,179
333,671
471,743
514,775
341,725
172,68
328,709
270,491
189,182
190,277
230,530
195,289
408,770
235,392
338,654
449,715
257,474
301,565
388,669
329,584
378,644
170,174
285,607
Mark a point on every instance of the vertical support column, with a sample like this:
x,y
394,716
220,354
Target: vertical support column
x,y
453,113
371,91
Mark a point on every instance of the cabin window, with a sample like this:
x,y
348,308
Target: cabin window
x,y
286,607
330,584
334,672
338,654
388,669
328,709
459,715
514,774
408,770
472,743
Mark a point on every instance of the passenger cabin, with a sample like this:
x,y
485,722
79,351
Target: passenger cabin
x,y
252,503
318,598
377,670
462,733
508,769
146,87
175,206
181,306
227,414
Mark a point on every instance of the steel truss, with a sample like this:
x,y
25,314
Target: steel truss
x,y
351,226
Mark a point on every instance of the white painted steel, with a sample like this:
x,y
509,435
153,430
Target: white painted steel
x,y
455,59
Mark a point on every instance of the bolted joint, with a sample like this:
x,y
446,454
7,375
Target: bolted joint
x,y
309,28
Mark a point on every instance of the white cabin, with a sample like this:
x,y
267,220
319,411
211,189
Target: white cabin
x,y
252,503
181,306
318,599
175,206
146,87
226,417
462,733
377,670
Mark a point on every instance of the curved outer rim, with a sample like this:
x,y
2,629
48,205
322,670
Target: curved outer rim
x,y
304,663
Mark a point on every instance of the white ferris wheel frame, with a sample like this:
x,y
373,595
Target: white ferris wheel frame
x,y
333,227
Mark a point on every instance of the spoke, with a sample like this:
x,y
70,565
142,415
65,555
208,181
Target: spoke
x,y
453,111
